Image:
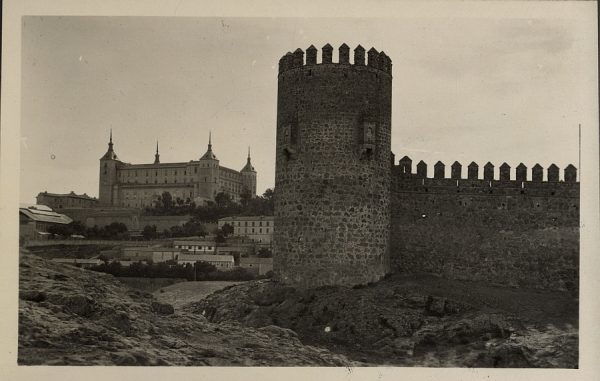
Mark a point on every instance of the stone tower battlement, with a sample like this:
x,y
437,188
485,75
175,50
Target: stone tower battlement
x,y
333,178
375,60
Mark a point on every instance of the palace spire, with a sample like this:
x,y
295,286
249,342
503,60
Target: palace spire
x,y
209,155
110,154
156,156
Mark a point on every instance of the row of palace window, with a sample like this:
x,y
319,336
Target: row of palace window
x,y
229,185
165,172
196,247
253,230
253,222
153,196
70,201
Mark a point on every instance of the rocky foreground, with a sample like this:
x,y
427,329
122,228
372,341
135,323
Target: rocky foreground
x,y
413,321
71,316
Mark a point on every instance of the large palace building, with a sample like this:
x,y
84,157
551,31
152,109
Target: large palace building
x,y
139,185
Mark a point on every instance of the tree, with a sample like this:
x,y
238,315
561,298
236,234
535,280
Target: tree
x,y
62,230
116,230
194,227
177,231
227,230
265,253
222,199
167,201
269,194
78,227
220,238
204,267
149,232
245,197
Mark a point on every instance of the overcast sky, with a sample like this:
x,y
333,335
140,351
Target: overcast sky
x,y
507,89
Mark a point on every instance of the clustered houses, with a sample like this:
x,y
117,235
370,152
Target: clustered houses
x,y
190,252
224,256
176,254
249,235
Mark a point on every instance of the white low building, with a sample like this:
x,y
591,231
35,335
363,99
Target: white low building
x,y
221,262
257,228
203,247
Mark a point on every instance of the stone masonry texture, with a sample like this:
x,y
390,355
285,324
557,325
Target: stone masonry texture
x,y
332,209
511,233
346,216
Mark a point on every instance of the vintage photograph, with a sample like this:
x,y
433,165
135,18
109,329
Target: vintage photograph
x,y
302,191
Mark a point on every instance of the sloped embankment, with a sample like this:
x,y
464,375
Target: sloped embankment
x,y
418,321
71,316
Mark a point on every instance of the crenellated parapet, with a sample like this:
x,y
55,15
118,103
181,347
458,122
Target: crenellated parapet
x,y
504,181
404,169
374,59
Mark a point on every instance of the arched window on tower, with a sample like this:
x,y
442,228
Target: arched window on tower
x,y
289,140
369,136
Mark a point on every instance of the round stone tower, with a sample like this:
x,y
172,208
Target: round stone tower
x,y
332,178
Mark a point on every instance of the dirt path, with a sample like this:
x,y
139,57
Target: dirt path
x,y
183,293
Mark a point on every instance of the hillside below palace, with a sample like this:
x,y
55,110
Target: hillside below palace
x,y
139,185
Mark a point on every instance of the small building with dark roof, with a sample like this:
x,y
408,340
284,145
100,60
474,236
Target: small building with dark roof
x,y
34,221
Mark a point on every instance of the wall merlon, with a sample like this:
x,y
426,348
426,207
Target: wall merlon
x,y
570,173
537,173
439,170
327,54
521,173
405,166
553,173
373,58
383,62
421,169
488,171
311,55
344,51
505,172
286,62
298,58
456,170
473,171
282,65
359,56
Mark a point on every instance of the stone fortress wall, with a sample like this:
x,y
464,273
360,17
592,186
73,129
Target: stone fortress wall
x,y
347,215
514,231
332,209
